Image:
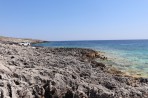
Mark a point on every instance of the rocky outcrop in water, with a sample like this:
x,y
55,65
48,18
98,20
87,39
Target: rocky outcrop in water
x,y
36,72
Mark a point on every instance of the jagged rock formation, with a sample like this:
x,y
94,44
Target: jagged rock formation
x,y
37,72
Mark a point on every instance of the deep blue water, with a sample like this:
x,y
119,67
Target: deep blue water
x,y
129,55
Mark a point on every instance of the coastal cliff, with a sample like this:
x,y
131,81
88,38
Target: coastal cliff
x,y
39,72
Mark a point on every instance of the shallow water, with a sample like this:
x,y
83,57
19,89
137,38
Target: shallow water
x,y
128,55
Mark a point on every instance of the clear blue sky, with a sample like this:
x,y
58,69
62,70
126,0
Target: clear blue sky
x,y
74,19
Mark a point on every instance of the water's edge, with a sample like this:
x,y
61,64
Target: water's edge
x,y
125,55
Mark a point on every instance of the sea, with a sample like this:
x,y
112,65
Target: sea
x,y
127,55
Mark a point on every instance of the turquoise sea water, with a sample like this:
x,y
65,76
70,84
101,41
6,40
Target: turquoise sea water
x,y
127,55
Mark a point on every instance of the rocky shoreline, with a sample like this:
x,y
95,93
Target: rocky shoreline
x,y
39,72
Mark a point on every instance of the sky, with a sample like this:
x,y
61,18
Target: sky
x,y
57,20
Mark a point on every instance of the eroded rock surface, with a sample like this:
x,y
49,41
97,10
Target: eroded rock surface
x,y
36,72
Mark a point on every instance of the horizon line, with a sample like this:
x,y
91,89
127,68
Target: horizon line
x,y
76,40
98,40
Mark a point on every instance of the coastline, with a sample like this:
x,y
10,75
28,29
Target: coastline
x,y
10,40
68,72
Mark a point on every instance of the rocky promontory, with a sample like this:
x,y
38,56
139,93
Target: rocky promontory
x,y
39,72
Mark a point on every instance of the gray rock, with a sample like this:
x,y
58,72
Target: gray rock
x,y
28,72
